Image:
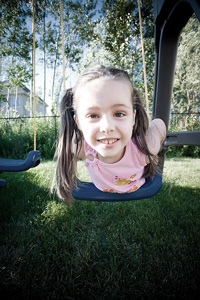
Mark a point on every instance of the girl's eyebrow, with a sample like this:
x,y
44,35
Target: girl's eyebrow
x,y
113,106
93,107
123,105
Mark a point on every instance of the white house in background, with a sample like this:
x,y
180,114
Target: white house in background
x,y
23,101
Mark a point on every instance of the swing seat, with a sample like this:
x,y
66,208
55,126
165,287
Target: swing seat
x,y
88,191
32,160
13,165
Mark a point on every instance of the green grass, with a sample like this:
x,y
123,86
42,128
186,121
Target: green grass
x,y
147,249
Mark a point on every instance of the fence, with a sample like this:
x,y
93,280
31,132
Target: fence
x,y
16,134
177,122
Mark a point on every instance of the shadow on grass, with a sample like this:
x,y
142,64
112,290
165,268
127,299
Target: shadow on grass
x,y
146,249
22,194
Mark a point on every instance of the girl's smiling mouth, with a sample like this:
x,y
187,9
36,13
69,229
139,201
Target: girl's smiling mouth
x,y
108,141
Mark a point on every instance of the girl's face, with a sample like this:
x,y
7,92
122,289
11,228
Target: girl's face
x,y
104,114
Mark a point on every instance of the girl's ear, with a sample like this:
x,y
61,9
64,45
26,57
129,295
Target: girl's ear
x,y
76,121
134,114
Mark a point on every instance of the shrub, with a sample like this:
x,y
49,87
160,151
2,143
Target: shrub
x,y
184,151
17,136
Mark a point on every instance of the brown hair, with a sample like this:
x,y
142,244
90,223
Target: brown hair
x,y
66,160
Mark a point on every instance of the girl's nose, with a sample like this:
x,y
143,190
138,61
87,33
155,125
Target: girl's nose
x,y
107,125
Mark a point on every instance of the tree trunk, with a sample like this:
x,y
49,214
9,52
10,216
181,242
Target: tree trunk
x,y
54,72
16,95
7,104
44,41
31,88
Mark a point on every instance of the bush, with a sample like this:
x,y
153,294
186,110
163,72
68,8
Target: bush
x,y
17,137
184,151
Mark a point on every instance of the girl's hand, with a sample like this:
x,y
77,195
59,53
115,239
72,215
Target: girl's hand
x,y
156,134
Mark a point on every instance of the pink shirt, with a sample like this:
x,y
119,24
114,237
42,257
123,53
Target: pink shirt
x,y
123,176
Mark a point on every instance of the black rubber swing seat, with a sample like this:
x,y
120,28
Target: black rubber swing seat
x,y
88,191
32,160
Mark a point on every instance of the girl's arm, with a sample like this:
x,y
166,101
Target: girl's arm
x,y
156,134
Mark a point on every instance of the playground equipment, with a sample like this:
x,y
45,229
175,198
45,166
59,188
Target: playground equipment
x,y
13,165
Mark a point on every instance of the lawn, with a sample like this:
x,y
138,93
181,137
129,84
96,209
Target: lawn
x,y
146,249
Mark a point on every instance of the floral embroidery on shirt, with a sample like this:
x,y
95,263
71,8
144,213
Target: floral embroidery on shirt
x,y
123,181
109,190
134,188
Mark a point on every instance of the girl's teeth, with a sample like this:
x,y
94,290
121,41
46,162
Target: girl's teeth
x,y
108,141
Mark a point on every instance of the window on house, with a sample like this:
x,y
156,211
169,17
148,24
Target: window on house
x,y
12,101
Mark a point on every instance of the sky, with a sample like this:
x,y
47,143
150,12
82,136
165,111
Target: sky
x,y
39,79
71,77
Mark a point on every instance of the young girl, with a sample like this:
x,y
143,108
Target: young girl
x,y
104,123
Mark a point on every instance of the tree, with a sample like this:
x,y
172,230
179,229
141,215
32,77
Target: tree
x,y
116,40
186,93
110,35
41,30
15,45
78,30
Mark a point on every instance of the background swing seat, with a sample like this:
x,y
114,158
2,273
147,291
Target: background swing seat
x,y
32,160
88,191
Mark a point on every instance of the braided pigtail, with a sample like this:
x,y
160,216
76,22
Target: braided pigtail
x,y
139,133
66,159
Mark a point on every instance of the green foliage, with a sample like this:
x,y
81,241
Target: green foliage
x,y
110,36
117,41
176,125
16,43
186,91
184,151
17,136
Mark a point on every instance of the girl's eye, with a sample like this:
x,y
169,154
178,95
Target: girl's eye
x,y
119,114
92,116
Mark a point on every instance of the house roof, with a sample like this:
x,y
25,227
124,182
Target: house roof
x,y
26,90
